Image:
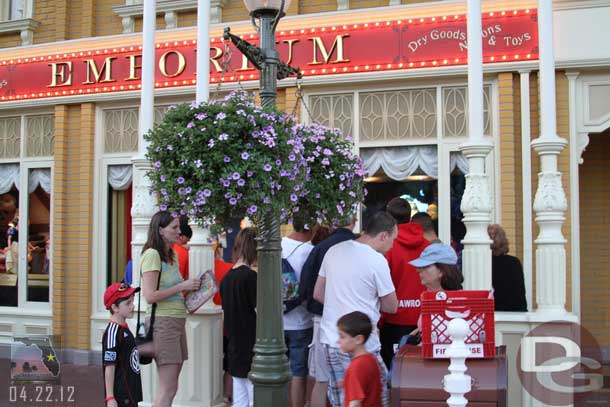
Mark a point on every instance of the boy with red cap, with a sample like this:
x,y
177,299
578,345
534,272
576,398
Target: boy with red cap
x,y
122,381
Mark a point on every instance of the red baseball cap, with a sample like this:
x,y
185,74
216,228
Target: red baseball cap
x,y
117,291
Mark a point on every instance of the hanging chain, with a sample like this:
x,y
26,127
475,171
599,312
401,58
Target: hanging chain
x,y
299,98
226,65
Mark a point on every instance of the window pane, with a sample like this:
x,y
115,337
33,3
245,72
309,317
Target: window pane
x,y
39,135
121,131
10,137
39,219
455,111
17,9
9,247
334,111
396,115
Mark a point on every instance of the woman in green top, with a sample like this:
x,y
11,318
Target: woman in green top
x,y
159,266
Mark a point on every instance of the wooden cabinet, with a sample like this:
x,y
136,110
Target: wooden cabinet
x,y
418,382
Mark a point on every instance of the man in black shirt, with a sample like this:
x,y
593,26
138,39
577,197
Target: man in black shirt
x,y
122,381
318,367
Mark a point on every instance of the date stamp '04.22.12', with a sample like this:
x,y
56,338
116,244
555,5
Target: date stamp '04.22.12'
x,y
36,377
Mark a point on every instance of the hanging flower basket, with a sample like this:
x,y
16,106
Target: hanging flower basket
x,y
228,159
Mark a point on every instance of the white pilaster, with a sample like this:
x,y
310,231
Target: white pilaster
x,y
144,205
476,202
526,171
550,202
574,194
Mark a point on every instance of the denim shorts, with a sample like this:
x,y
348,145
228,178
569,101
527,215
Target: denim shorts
x,y
297,342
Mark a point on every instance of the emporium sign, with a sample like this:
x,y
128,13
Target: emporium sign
x,y
342,49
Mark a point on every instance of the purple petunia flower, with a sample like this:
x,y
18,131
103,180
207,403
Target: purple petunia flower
x,y
225,183
211,143
294,197
201,116
278,162
180,180
227,159
220,116
241,182
157,164
223,137
245,155
325,161
327,152
233,201
162,178
252,210
207,193
267,167
235,176
163,207
190,125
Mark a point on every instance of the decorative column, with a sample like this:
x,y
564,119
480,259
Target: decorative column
x,y
144,205
550,202
457,383
476,202
526,174
201,378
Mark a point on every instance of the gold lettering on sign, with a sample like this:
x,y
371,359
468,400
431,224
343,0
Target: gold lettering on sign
x,y
244,64
133,66
214,59
337,44
97,74
291,46
61,71
163,62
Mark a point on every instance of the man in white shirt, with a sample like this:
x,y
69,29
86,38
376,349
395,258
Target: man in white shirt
x,y
298,323
355,277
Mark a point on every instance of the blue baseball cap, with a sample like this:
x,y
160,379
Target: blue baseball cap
x,y
435,253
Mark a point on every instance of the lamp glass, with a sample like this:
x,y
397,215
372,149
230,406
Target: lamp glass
x,y
253,5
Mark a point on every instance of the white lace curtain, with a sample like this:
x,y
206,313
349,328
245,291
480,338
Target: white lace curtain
x,y
119,176
9,176
400,162
40,177
458,160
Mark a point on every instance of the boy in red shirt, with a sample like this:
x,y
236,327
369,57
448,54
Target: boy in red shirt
x,y
362,382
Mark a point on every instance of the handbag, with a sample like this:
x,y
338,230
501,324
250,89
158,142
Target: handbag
x,y
145,340
209,287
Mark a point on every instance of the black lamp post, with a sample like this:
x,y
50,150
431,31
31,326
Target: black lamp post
x,y
270,372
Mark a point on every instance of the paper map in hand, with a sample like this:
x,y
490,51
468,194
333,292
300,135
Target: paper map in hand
x,y
196,299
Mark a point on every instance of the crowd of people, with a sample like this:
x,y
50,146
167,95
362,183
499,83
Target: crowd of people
x,y
359,299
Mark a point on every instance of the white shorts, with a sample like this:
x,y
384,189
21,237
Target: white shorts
x,y
318,364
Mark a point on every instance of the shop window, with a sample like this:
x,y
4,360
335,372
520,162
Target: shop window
x,y
10,137
119,222
408,140
26,154
120,130
455,107
396,115
334,111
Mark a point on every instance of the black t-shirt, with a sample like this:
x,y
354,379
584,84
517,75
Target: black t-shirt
x,y
119,349
238,293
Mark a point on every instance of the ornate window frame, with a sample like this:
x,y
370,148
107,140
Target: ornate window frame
x,y
445,144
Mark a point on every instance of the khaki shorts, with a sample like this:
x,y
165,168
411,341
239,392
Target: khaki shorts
x,y
318,365
169,339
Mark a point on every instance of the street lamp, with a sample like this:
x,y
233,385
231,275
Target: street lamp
x,y
270,373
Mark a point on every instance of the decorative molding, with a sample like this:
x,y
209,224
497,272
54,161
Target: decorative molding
x,y
477,197
582,141
550,196
24,27
579,4
170,9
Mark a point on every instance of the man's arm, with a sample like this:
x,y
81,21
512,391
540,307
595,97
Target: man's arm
x,y
320,289
389,303
355,403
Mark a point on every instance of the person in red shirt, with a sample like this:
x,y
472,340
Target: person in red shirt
x,y
181,247
221,268
362,380
408,246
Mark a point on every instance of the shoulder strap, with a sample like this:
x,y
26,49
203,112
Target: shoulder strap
x,y
154,305
294,250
